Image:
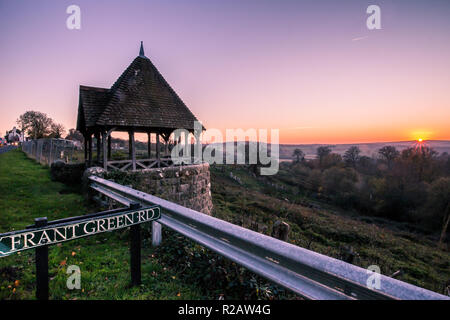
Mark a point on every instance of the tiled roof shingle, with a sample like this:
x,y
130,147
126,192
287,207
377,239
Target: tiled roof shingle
x,y
140,98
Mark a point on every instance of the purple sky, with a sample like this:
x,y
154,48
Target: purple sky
x,y
309,68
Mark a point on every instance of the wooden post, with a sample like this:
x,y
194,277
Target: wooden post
x,y
105,150
157,150
109,146
129,145
149,144
97,137
166,147
135,250
85,148
41,265
90,149
133,150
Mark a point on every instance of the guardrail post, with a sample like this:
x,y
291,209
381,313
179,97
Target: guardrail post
x,y
156,233
135,250
41,265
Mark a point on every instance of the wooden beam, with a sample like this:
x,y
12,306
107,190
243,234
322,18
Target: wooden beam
x,y
107,138
149,144
105,150
109,147
165,137
133,150
90,149
129,145
125,167
97,137
157,149
166,146
85,148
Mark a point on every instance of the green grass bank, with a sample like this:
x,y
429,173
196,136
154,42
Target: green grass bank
x,y
26,192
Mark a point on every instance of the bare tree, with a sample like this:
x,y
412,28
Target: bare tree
x,y
299,155
351,156
75,135
322,152
38,125
389,154
56,130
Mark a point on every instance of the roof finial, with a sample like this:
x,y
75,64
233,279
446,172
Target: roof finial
x,y
141,51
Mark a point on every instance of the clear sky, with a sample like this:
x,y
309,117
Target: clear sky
x,y
309,68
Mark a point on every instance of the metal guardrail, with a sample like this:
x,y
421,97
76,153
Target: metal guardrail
x,y
307,273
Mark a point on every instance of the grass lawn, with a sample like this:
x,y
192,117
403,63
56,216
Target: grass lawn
x,y
26,192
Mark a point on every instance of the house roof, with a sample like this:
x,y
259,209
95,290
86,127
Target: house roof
x,y
140,98
91,105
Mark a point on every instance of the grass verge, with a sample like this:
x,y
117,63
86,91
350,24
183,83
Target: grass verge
x,y
26,192
256,203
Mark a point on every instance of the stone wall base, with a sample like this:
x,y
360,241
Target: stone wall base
x,y
189,186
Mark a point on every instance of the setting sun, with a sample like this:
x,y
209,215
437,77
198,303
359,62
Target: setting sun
x,y
420,139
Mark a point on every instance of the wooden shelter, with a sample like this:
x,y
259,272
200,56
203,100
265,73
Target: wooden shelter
x,y
140,100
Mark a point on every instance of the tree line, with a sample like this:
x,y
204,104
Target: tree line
x,y
38,125
411,185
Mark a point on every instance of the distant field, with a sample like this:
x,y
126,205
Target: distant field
x,y
367,149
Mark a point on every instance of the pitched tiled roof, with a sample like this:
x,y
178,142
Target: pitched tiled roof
x,y
140,98
92,103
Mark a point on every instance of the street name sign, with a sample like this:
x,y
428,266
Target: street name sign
x,y
16,241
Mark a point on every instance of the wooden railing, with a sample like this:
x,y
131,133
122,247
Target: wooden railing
x,y
124,165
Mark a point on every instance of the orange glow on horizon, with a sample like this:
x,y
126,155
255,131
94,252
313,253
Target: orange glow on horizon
x,y
275,66
331,135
